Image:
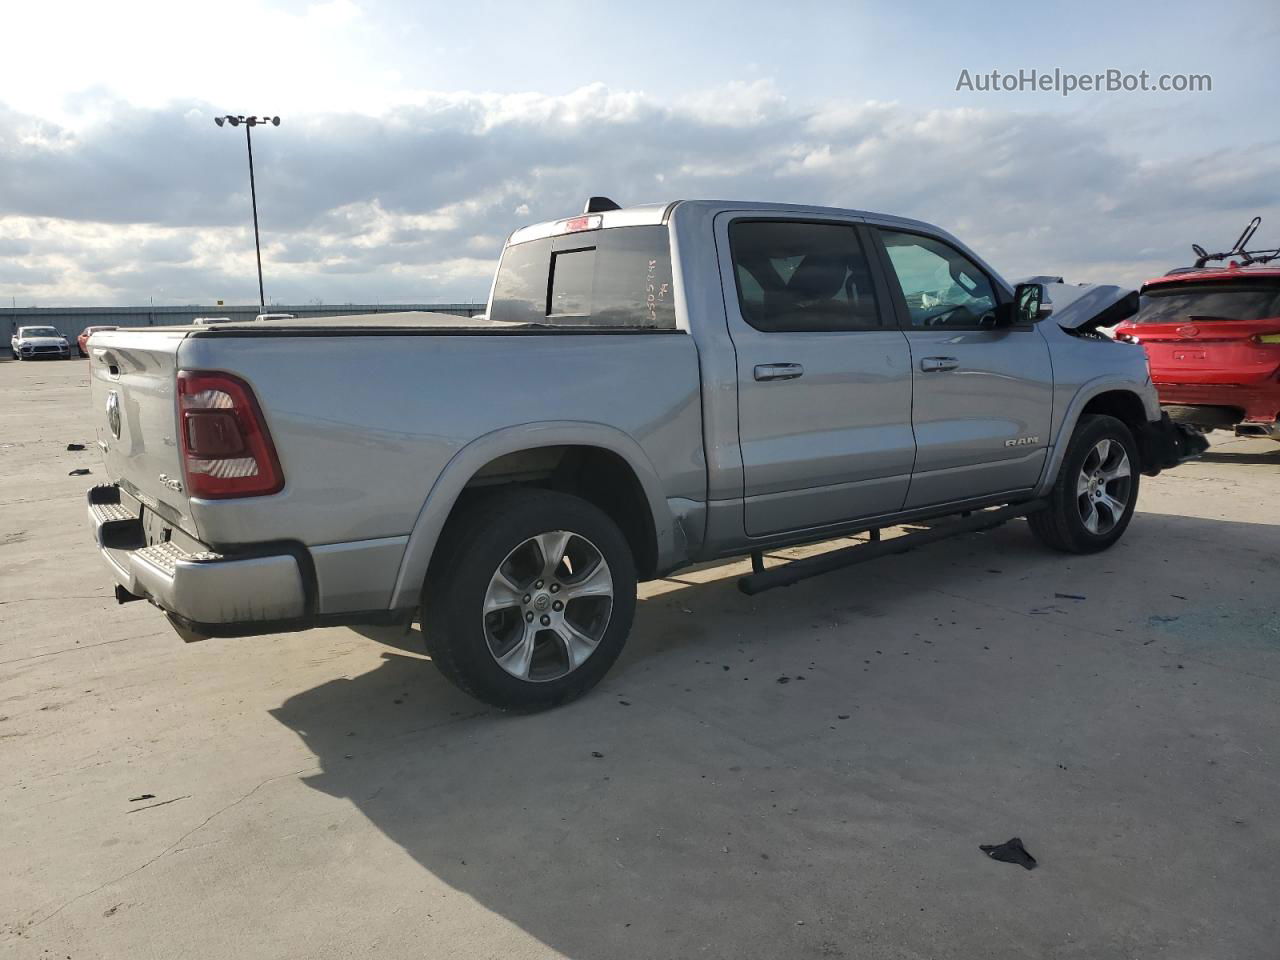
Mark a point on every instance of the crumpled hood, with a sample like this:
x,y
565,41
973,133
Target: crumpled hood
x,y
1088,306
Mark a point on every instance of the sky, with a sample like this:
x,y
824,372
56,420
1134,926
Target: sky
x,y
416,136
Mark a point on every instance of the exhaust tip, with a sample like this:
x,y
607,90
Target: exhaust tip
x,y
1271,430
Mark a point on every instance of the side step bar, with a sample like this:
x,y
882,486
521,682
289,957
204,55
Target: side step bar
x,y
797,570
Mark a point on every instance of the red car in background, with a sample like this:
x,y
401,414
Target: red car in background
x,y
1212,336
83,339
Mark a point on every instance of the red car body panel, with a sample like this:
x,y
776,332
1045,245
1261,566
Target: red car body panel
x,y
1214,361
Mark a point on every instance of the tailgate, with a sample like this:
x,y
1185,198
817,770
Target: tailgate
x,y
1210,351
133,378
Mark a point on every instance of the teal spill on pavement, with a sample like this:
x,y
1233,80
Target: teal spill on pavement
x,y
1224,624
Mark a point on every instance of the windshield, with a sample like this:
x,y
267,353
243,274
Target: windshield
x,y
618,277
40,332
1205,302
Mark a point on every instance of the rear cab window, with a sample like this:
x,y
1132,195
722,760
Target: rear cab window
x,y
618,277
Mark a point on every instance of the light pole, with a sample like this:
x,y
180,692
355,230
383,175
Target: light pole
x,y
249,123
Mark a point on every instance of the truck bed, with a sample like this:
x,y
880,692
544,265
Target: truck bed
x,y
367,413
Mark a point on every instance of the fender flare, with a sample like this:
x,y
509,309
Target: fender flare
x,y
464,465
1086,392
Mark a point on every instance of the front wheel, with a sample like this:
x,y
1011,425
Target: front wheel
x,y
530,598
1093,499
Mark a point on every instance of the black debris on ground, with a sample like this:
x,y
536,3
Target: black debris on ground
x,y
1011,851
80,472
145,796
1070,596
75,446
783,680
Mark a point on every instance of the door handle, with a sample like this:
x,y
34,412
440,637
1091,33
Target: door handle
x,y
778,371
931,364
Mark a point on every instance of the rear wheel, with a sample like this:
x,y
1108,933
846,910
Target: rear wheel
x,y
1093,499
530,598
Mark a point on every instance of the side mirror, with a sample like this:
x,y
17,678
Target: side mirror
x,y
1029,303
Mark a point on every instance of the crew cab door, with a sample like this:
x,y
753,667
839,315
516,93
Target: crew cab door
x,y
824,378
982,396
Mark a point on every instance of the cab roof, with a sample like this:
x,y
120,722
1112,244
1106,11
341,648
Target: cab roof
x,y
652,214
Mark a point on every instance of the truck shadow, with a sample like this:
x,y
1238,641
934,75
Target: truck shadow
x,y
648,818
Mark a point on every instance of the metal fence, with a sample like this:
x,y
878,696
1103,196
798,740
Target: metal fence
x,y
69,321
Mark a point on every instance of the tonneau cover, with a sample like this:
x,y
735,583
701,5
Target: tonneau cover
x,y
411,319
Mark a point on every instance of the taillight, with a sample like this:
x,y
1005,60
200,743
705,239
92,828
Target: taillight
x,y
226,449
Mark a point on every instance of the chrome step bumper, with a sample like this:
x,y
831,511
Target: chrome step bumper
x,y
197,585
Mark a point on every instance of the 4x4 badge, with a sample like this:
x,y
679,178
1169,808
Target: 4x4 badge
x,y
113,413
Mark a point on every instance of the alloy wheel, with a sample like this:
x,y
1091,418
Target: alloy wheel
x,y
1104,486
547,606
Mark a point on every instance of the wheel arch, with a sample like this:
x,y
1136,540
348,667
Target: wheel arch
x,y
600,463
1121,399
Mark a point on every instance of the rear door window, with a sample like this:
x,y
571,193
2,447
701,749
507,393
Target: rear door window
x,y
617,277
796,276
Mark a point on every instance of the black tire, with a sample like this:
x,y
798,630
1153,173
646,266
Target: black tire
x,y
1062,524
476,542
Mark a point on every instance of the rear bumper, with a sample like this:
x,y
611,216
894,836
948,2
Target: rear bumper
x,y
1260,402
1166,444
201,588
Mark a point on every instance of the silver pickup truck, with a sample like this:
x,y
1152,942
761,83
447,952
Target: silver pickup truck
x,y
651,387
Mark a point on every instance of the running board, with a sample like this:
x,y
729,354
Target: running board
x,y
797,570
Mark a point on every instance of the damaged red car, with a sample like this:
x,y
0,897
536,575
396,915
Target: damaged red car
x,y
1212,335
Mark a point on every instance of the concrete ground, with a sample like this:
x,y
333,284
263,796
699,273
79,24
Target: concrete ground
x,y
327,794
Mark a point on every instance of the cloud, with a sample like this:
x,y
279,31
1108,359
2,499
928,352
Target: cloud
x,y
413,203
